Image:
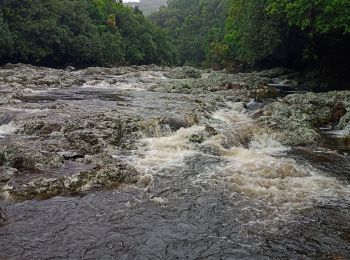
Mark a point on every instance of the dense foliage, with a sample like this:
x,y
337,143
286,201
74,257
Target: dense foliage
x,y
245,34
78,32
193,25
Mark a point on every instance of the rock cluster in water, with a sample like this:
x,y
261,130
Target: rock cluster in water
x,y
59,129
298,117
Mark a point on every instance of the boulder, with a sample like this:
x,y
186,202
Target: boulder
x,y
297,117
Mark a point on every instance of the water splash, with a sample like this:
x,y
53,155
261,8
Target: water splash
x,y
168,150
256,165
7,129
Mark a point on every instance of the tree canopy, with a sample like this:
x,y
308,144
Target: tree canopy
x,y
246,34
79,32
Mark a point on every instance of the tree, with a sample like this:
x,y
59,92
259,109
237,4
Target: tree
x,y
80,32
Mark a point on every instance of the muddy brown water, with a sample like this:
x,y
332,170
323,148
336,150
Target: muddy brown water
x,y
222,197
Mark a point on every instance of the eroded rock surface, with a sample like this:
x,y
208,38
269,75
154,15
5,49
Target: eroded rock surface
x,y
148,162
298,117
55,124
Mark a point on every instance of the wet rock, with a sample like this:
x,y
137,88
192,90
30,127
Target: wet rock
x,y
107,173
154,127
191,119
6,173
200,137
85,141
214,82
210,130
23,157
145,180
12,156
27,76
176,123
296,118
71,155
338,111
197,138
235,86
51,128
184,73
265,92
3,217
275,72
32,127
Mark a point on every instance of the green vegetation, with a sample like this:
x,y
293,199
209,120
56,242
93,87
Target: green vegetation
x,y
235,34
247,34
193,25
79,32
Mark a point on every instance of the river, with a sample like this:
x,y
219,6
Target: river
x,y
211,182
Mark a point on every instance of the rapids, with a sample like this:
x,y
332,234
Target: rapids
x,y
212,184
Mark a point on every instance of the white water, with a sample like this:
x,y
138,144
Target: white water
x,y
139,81
255,165
7,129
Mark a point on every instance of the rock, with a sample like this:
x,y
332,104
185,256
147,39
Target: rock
x,y
201,136
235,86
85,141
145,180
6,173
210,130
347,130
3,217
71,155
107,173
197,138
344,121
265,92
191,119
23,157
275,72
32,127
184,73
296,118
338,111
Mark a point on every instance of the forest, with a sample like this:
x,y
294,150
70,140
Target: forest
x,y
79,32
233,34
256,34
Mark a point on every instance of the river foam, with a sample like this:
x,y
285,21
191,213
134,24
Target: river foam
x,y
255,165
7,129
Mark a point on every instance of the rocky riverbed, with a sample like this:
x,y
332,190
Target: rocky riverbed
x,y
155,162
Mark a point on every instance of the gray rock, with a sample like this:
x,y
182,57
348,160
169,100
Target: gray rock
x,y
296,118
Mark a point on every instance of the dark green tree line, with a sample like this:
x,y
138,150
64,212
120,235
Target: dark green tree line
x,y
248,34
79,32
